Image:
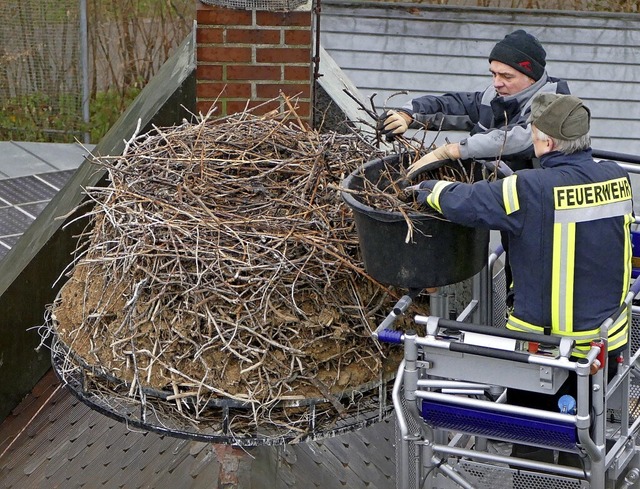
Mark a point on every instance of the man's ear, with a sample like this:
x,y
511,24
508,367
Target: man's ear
x,y
550,143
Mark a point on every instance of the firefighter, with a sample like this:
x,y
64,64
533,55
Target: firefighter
x,y
568,225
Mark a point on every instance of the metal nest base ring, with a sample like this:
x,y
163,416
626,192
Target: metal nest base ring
x,y
224,421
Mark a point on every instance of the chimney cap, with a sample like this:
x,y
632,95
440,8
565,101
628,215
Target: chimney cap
x,y
269,5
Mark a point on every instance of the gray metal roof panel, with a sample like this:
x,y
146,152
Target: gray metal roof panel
x,y
17,162
34,208
352,456
5,247
28,158
477,16
57,156
69,445
31,174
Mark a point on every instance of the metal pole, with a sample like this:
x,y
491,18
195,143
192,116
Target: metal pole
x,y
84,61
612,155
402,449
316,65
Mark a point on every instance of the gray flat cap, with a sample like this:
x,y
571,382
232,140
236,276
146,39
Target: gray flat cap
x,y
560,116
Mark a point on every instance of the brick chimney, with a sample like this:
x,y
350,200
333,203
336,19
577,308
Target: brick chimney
x,y
247,51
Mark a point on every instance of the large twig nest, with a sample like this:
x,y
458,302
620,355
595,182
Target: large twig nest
x,y
222,263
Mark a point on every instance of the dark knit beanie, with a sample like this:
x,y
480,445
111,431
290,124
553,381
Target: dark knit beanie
x,y
521,51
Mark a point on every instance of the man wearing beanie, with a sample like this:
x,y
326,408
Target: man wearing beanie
x,y
568,228
495,117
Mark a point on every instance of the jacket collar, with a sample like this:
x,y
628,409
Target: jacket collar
x,y
556,158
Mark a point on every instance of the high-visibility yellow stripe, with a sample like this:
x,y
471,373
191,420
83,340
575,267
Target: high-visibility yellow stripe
x,y
613,343
618,333
434,197
591,334
517,324
569,274
510,194
619,340
555,274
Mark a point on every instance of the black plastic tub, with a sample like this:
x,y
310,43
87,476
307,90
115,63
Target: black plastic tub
x,y
441,252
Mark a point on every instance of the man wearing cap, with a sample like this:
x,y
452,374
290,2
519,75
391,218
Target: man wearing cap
x,y
568,225
496,117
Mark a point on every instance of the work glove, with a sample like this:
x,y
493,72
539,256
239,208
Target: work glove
x,y
395,123
431,161
498,166
419,192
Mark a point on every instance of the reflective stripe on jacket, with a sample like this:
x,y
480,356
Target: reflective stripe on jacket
x,y
569,237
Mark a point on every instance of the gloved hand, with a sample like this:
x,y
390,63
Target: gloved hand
x,y
419,192
394,123
498,166
433,160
